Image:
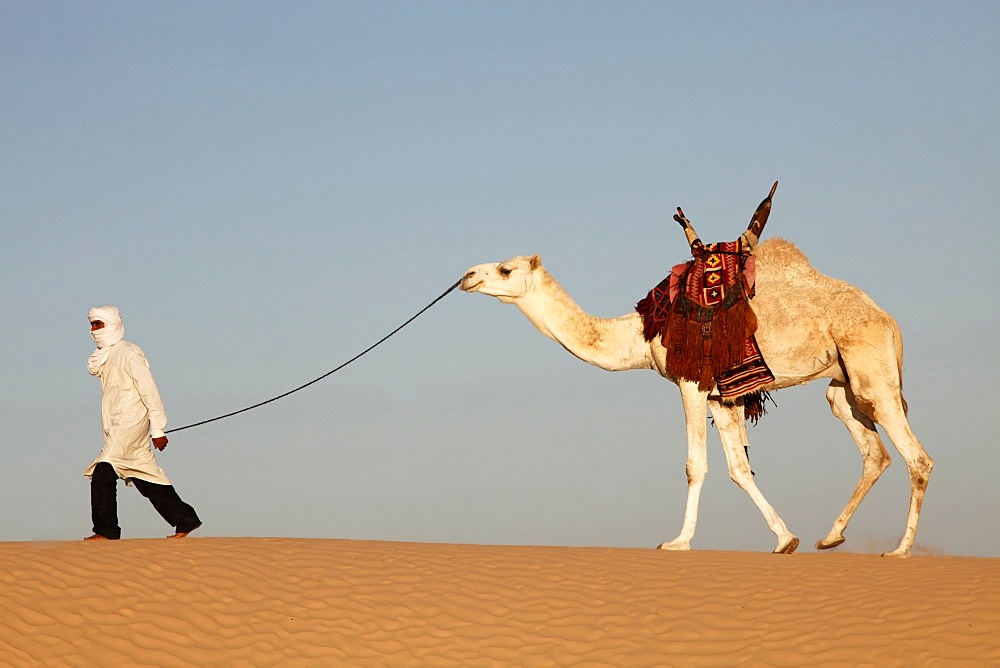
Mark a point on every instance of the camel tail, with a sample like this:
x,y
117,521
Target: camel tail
x,y
897,337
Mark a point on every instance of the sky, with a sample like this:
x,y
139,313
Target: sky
x,y
266,189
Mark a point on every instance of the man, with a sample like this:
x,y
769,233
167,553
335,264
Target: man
x,y
132,414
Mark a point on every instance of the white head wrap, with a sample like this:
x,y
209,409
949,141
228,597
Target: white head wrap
x,y
112,332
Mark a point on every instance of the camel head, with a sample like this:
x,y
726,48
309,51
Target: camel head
x,y
508,281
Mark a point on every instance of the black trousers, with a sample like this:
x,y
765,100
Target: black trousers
x,y
104,503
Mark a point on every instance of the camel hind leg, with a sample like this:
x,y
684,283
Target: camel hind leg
x,y
874,374
874,457
919,465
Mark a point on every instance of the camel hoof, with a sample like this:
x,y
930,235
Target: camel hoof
x,y
898,554
675,546
826,544
789,547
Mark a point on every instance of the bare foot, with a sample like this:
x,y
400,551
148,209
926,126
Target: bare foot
x,y
97,536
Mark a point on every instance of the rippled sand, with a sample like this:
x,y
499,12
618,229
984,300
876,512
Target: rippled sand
x,y
263,601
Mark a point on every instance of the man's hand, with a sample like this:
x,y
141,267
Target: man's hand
x,y
160,442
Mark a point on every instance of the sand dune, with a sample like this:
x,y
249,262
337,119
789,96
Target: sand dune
x,y
271,601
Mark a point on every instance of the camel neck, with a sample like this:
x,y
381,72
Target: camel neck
x,y
603,342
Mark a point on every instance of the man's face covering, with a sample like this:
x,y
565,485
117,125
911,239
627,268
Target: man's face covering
x,y
113,329
108,333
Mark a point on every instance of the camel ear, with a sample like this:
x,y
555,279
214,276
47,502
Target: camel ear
x,y
536,262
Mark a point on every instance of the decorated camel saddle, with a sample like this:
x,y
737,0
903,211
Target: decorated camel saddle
x,y
702,314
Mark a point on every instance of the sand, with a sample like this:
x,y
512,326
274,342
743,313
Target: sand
x,y
287,601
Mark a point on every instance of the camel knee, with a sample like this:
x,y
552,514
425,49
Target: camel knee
x,y
741,474
696,472
918,462
876,460
920,470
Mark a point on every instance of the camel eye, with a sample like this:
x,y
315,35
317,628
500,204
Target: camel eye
x,y
504,271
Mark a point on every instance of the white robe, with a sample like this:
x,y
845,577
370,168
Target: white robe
x,y
131,414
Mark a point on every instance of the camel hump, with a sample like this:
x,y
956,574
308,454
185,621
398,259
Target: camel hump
x,y
759,218
781,260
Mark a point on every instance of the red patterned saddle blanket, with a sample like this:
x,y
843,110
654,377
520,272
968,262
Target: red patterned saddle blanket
x,y
702,314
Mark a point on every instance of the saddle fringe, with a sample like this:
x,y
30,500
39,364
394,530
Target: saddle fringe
x,y
754,405
702,350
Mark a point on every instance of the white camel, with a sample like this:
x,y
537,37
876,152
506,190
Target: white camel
x,y
810,326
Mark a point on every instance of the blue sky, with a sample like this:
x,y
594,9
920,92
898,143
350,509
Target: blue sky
x,y
265,189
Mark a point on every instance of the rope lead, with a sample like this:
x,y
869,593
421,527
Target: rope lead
x,y
332,371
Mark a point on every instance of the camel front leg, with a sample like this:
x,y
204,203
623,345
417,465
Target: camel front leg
x,y
695,418
729,419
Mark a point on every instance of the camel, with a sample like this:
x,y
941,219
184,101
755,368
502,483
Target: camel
x,y
810,326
